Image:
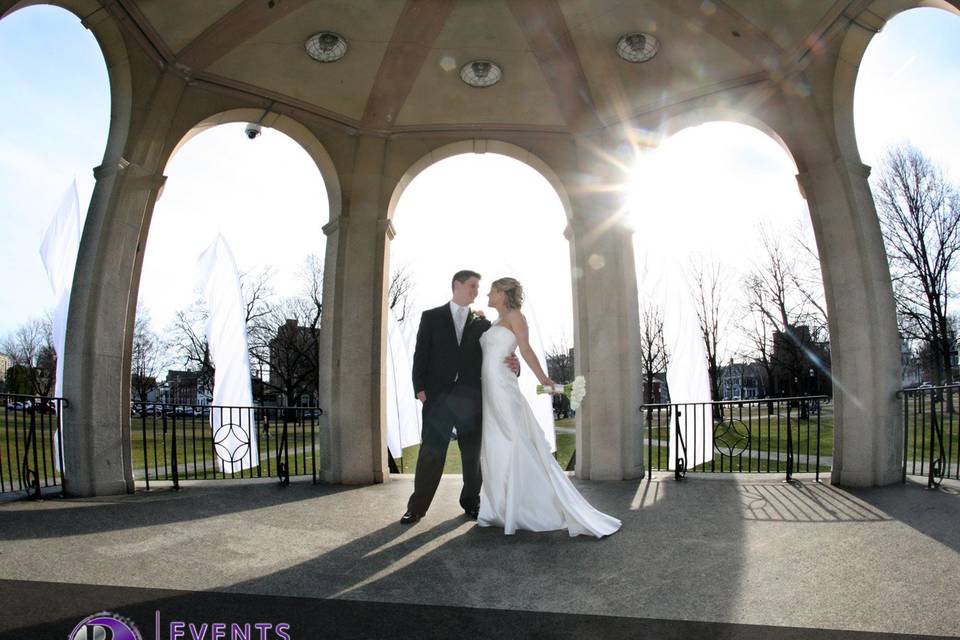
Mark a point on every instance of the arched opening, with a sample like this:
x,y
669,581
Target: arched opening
x,y
493,208
268,199
731,302
57,112
904,105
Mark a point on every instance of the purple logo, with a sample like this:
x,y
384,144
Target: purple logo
x,y
105,626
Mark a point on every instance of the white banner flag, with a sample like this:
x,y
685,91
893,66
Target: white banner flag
x,y
234,429
403,409
58,251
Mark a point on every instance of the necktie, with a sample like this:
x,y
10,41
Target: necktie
x,y
461,321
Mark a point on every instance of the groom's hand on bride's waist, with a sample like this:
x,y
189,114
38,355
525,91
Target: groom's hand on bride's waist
x,y
513,363
422,396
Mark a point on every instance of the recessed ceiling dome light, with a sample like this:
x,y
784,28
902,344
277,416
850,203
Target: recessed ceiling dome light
x,y
637,47
481,73
326,46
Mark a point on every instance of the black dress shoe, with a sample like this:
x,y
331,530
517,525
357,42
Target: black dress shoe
x,y
409,518
473,514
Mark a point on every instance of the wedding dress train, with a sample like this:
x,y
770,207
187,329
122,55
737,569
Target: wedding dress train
x,y
523,485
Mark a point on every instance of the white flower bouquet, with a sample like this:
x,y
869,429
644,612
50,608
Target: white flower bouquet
x,y
575,391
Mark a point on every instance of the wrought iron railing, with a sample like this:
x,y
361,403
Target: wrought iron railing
x,y
30,443
199,442
931,442
769,435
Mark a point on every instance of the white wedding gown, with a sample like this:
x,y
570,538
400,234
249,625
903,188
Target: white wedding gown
x,y
523,485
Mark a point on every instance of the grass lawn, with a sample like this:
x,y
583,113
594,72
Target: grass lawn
x,y
566,442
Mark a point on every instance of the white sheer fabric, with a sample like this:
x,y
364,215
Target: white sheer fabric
x,y
523,486
661,282
404,419
234,435
58,251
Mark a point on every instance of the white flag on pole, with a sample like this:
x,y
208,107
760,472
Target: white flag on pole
x,y
403,409
234,432
59,249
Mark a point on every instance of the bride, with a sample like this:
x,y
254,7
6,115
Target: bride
x,y
523,486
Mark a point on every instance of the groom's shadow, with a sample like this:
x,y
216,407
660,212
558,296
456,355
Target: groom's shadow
x,y
355,563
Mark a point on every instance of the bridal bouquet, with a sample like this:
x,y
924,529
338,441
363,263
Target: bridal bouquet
x,y
575,391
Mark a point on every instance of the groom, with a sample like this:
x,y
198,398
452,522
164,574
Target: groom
x,y
446,378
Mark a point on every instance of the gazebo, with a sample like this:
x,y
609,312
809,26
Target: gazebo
x,y
377,90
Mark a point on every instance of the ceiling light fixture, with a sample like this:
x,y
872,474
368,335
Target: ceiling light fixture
x,y
637,47
326,46
481,73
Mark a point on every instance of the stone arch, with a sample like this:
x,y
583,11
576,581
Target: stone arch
x,y
705,115
481,146
173,142
851,52
290,127
179,137
398,187
109,37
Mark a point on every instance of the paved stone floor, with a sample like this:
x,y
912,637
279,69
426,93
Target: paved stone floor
x,y
725,549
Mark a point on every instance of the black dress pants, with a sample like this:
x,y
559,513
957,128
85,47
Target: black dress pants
x,y
459,407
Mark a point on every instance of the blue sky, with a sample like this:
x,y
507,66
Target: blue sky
x,y
268,199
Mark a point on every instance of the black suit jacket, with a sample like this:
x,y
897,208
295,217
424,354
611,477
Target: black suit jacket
x,y
438,361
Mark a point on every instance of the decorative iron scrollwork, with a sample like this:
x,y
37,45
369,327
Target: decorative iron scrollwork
x,y
224,433
731,437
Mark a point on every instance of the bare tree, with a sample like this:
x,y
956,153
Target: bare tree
x,y
919,215
807,278
285,338
712,314
757,327
560,363
32,357
653,348
398,294
148,357
787,327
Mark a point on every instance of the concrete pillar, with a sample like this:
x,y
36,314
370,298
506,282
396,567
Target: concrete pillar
x,y
868,434
607,328
353,449
97,455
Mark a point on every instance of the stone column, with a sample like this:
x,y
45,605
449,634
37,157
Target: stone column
x,y
353,448
97,454
607,328
868,434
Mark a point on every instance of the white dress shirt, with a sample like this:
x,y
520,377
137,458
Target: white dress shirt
x,y
459,318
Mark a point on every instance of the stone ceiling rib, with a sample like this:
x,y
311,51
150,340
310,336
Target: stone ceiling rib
x,y
413,36
722,22
548,35
230,31
131,20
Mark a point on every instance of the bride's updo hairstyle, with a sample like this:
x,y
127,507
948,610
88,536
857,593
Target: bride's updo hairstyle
x,y
512,291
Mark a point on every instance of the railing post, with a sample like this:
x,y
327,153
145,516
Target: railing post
x,y
36,458
173,452
937,463
143,428
283,459
906,428
680,462
789,444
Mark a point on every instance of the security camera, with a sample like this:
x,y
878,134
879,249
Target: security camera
x,y
252,130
